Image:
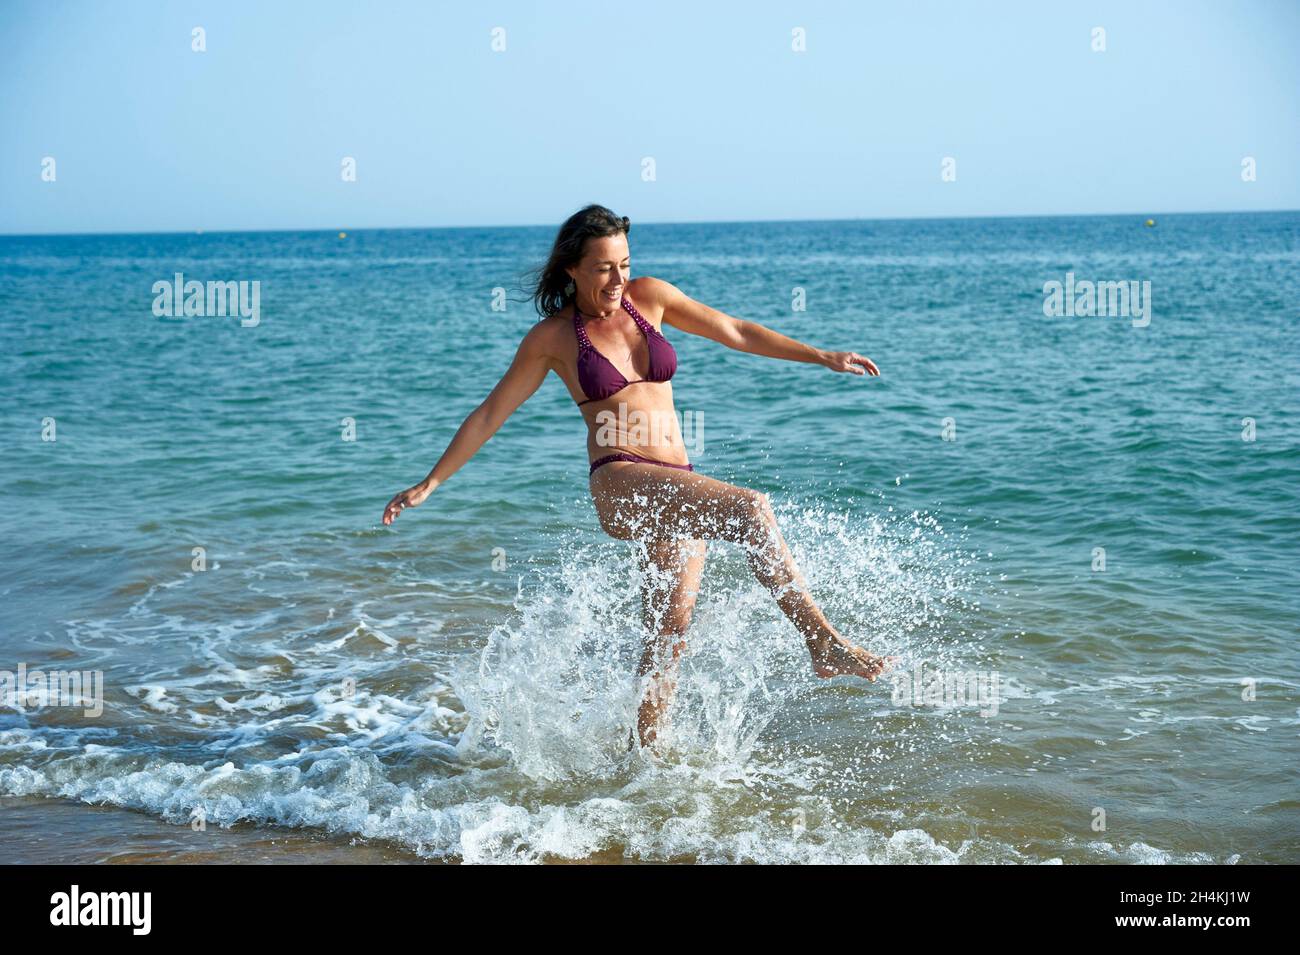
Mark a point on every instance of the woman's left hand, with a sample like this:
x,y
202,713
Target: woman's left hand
x,y
850,361
411,497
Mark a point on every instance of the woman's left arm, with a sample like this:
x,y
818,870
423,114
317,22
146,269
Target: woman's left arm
x,y
682,311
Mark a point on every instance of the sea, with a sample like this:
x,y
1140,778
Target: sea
x,y
1070,504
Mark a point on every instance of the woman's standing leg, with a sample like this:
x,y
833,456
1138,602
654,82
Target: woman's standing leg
x,y
670,572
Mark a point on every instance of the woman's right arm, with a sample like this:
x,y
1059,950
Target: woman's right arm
x,y
516,386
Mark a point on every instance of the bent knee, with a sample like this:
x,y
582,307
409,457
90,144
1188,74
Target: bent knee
x,y
613,524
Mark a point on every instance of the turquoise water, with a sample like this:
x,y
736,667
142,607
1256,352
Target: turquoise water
x,y
458,686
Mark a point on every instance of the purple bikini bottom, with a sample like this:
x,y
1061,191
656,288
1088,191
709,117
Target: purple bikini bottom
x,y
625,456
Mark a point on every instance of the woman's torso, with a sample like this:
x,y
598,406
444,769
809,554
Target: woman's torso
x,y
640,417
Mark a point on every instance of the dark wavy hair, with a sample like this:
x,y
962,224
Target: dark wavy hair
x,y
591,222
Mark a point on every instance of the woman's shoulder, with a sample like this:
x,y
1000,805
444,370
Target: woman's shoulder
x,y
647,289
553,324
649,295
546,336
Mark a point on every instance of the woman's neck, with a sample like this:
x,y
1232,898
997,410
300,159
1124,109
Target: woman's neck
x,y
595,316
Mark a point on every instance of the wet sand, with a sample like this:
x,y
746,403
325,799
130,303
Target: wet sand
x,y
41,831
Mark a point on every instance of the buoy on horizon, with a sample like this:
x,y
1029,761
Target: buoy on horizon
x,y
1151,222
343,235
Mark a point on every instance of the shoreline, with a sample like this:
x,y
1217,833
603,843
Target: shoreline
x,y
39,830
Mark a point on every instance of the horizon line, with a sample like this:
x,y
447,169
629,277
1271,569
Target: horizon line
x,y
449,228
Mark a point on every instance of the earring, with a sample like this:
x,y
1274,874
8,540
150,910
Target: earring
x,y
568,289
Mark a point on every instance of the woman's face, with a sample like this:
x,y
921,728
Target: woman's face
x,y
603,273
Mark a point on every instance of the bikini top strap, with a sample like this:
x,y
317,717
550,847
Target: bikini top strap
x,y
641,323
583,340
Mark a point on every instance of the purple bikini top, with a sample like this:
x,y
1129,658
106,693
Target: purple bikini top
x,y
596,373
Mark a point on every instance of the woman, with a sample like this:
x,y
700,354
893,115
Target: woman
x,y
600,333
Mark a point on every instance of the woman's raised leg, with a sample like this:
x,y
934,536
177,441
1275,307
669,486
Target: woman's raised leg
x,y
646,501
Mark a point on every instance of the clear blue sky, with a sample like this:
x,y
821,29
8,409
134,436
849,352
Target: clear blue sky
x,y
150,136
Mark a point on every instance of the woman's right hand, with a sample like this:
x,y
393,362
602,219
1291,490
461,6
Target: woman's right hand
x,y
411,497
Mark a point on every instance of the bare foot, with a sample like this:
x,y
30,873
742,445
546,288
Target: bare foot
x,y
649,739
652,714
841,658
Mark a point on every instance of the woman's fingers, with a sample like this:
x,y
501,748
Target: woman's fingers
x,y
394,508
866,363
411,497
850,360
